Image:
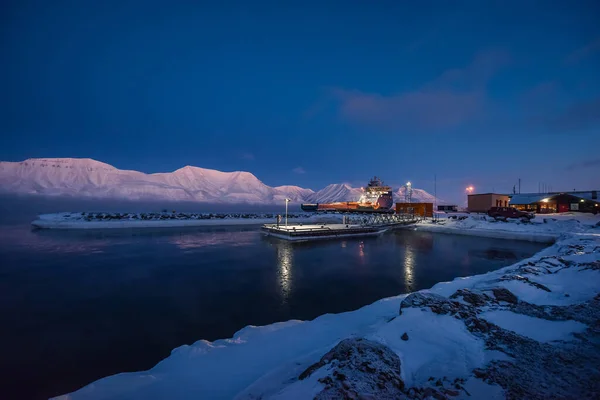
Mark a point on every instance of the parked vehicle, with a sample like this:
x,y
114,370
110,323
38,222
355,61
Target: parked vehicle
x,y
503,213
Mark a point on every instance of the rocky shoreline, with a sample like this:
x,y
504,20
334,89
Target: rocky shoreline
x,y
360,368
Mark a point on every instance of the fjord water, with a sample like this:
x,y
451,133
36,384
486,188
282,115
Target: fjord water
x,y
77,306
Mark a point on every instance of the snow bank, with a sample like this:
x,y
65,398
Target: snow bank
x,y
543,229
536,328
444,339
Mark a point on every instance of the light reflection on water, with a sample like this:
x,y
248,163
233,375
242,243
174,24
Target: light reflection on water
x,y
94,241
196,240
285,258
409,264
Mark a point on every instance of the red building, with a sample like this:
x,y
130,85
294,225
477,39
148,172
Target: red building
x,y
558,202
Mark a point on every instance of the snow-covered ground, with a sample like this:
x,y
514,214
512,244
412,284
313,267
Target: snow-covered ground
x,y
529,330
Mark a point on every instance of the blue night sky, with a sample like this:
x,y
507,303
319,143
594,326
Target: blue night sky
x,y
310,93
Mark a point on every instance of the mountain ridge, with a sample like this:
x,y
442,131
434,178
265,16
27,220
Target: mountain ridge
x,y
86,177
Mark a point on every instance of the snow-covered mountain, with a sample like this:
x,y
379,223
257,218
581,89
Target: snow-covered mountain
x,y
84,177
294,193
335,192
418,196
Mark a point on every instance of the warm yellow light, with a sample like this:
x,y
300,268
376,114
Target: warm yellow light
x,y
582,200
545,200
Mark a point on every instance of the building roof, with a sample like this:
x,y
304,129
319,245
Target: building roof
x,y
531,198
528,198
487,194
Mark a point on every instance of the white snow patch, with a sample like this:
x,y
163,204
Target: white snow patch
x,y
568,286
478,389
438,345
538,329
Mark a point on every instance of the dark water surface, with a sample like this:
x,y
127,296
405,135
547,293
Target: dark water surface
x,y
77,306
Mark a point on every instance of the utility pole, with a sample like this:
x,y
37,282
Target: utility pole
x,y
519,185
286,211
434,195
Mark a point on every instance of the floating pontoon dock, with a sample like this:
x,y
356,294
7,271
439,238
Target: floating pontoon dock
x,y
351,227
313,232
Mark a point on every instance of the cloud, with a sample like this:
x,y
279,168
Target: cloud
x,y
583,52
579,116
299,170
542,96
455,97
426,110
584,164
248,156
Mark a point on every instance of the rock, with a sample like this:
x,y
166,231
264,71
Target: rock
x,y
479,373
451,392
526,280
359,368
438,304
471,296
503,294
438,396
404,336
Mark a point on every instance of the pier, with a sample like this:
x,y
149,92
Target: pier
x,y
351,226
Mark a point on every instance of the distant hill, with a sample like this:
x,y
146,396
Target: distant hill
x,y
84,177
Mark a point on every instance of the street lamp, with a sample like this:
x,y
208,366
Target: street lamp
x,y
286,209
470,189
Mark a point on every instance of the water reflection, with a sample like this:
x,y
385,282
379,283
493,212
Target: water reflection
x,y
493,254
196,240
419,241
285,258
25,239
409,264
94,241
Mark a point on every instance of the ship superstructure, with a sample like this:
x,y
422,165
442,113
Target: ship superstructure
x,y
376,197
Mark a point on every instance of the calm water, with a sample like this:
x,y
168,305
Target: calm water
x,y
75,307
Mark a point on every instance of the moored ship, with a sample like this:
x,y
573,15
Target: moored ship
x,y
376,198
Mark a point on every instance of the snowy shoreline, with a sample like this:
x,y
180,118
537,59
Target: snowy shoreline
x,y
524,331
496,234
102,220
542,229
